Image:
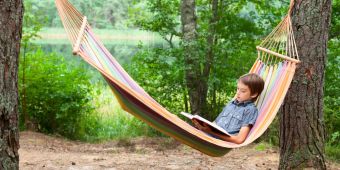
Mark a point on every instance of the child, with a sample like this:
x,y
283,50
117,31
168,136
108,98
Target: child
x,y
238,117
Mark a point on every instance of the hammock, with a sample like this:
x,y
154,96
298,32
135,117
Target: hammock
x,y
276,63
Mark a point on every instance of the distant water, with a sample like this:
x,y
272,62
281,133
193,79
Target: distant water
x,y
122,44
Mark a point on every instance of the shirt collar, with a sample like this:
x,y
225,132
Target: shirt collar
x,y
244,103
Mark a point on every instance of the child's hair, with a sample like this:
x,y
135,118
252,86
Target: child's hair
x,y
254,82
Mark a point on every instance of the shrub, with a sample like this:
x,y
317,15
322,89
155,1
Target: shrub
x,y
53,93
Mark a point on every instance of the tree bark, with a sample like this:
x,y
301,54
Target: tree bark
x,y
197,77
209,58
191,56
11,12
302,133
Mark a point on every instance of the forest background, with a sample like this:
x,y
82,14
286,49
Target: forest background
x,y
61,94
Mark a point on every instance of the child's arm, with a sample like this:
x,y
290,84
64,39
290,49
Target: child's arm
x,y
238,139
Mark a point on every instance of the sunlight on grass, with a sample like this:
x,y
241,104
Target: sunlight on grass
x,y
110,121
262,146
333,153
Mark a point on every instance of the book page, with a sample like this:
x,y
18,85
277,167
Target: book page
x,y
188,115
214,126
200,119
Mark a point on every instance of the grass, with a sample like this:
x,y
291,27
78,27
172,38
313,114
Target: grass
x,y
333,153
261,146
109,121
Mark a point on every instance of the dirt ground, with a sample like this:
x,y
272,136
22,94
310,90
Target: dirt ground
x,y
38,151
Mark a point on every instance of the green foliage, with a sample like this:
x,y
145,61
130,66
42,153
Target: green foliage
x,y
53,95
333,152
236,36
335,19
160,72
333,146
159,16
109,121
332,91
262,146
57,94
238,30
32,24
101,14
104,13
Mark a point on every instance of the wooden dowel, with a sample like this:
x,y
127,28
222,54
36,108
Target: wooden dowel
x,y
79,37
277,54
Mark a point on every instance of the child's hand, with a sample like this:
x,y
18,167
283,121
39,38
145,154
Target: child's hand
x,y
203,127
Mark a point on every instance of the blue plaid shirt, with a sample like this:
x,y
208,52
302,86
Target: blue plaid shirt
x,y
236,115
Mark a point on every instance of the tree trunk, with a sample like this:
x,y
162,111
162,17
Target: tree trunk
x,y
191,56
27,121
196,77
302,133
209,59
11,12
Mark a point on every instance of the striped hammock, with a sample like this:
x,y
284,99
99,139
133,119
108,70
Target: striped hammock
x,y
276,63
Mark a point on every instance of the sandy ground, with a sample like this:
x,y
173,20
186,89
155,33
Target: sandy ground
x,y
38,151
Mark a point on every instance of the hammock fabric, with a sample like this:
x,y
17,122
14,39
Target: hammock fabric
x,y
276,63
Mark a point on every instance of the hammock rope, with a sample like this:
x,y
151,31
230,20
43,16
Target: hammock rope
x,y
276,64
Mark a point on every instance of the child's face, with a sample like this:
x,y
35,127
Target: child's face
x,y
243,92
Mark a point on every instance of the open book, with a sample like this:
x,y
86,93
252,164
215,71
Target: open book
x,y
201,120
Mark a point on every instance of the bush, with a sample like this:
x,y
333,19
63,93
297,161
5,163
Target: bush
x,y
332,101
54,94
110,121
333,152
160,73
